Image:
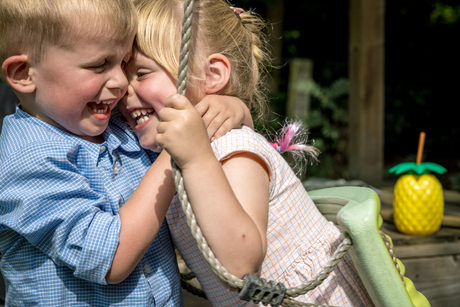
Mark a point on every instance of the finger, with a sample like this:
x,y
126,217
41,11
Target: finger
x,y
167,114
202,107
223,129
162,127
214,114
178,102
220,122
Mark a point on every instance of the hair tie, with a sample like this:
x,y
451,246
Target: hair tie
x,y
293,137
238,11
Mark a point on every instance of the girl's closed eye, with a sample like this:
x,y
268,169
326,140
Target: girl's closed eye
x,y
142,74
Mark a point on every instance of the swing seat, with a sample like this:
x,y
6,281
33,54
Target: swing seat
x,y
356,210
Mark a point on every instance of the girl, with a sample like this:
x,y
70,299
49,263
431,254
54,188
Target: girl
x,y
254,212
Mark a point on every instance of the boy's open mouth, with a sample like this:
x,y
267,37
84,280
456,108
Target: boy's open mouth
x,y
142,115
101,106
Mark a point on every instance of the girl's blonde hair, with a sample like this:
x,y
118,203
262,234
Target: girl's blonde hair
x,y
29,26
215,29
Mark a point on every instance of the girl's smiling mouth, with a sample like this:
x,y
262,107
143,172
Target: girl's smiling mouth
x,y
142,115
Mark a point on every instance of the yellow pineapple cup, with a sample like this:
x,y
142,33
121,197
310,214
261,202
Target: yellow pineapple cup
x,y
418,202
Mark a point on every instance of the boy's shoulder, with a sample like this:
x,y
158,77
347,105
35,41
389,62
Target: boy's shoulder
x,y
24,134
20,130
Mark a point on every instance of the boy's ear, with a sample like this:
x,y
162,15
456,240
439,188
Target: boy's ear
x,y
217,72
16,70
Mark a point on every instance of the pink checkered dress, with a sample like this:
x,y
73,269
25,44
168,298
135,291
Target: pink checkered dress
x,y
300,241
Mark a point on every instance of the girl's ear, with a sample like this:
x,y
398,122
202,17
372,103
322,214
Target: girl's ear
x,y
16,70
217,72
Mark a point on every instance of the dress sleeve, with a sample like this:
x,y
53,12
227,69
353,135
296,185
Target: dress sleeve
x,y
241,140
57,202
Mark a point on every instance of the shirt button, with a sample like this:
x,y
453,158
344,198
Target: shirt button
x,y
147,269
101,149
115,168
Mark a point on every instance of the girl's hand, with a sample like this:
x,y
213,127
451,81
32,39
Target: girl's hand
x,y
222,114
182,132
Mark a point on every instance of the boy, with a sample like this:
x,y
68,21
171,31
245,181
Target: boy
x,y
74,229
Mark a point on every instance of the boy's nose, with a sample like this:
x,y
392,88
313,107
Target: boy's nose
x,y
118,80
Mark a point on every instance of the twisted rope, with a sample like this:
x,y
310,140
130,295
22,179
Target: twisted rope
x,y
184,47
392,254
190,288
203,246
324,273
291,303
236,282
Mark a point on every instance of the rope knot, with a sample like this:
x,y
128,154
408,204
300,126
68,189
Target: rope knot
x,y
259,291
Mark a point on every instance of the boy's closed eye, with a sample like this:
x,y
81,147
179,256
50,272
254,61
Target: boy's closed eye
x,y
100,67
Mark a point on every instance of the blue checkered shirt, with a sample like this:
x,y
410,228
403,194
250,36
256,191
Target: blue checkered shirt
x,y
59,222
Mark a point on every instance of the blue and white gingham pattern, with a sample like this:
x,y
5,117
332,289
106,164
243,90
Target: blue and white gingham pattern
x,y
300,240
59,222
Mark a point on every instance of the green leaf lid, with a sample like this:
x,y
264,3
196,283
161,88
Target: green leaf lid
x,y
419,169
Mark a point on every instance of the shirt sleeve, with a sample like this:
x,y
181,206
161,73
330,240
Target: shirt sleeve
x,y
53,196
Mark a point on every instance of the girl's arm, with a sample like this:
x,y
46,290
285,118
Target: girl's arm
x,y
230,201
223,113
142,215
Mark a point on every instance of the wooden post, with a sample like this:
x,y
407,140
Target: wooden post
x,y
298,103
366,99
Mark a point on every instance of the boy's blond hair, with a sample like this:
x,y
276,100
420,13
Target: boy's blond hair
x,y
216,29
29,26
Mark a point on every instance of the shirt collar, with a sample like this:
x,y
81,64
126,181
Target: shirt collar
x,y
117,135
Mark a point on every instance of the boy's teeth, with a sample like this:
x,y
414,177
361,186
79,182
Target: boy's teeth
x,y
103,111
109,102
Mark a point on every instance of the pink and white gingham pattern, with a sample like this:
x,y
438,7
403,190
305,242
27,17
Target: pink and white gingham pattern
x,y
300,240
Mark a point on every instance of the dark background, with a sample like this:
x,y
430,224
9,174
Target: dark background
x,y
421,75
421,78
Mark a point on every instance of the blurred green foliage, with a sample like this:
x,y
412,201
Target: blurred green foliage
x,y
445,13
421,63
328,125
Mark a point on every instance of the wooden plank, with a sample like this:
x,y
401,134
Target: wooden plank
x,y
438,278
366,99
445,234
427,250
298,104
447,220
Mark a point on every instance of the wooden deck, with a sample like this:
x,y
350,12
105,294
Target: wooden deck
x,y
432,262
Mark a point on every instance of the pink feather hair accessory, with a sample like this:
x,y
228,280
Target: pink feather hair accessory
x,y
293,138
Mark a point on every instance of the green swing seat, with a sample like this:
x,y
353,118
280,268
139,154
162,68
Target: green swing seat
x,y
356,210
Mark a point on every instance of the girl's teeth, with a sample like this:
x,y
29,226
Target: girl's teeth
x,y
143,119
143,114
